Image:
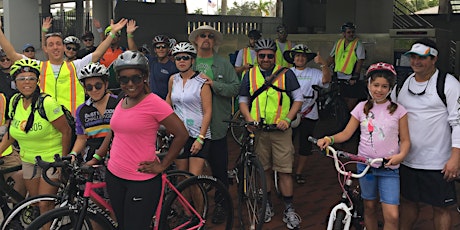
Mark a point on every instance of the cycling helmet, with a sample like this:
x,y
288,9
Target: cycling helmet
x,y
108,29
265,44
2,53
172,42
24,65
281,29
72,40
93,70
160,39
144,48
381,66
184,47
255,34
131,60
300,48
348,25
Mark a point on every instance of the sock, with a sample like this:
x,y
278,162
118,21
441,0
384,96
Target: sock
x,y
288,202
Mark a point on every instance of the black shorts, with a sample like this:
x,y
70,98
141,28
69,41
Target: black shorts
x,y
203,153
426,186
303,131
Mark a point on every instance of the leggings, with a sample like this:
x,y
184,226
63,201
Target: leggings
x,y
134,202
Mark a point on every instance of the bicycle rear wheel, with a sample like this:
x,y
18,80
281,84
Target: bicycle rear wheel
x,y
238,131
176,214
252,194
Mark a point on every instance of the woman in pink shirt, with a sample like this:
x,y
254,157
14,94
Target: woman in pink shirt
x,y
132,181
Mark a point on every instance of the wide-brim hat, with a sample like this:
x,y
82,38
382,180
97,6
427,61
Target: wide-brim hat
x,y
290,54
218,36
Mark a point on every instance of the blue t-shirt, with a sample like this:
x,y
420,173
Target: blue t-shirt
x,y
159,76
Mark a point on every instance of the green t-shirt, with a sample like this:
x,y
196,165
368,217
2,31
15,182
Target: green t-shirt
x,y
203,65
42,139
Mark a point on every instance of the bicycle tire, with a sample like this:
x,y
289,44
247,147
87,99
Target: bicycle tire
x,y
252,194
21,215
276,181
338,222
172,211
66,217
238,131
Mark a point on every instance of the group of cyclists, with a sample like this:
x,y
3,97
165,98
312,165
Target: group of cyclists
x,y
188,89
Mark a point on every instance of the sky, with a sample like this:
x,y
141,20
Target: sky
x,y
192,5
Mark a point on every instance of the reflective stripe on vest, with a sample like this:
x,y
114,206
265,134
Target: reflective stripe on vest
x,y
3,106
271,105
345,57
247,59
279,54
70,92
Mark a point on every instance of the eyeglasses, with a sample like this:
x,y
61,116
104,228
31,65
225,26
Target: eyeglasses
x,y
26,78
269,56
88,40
29,50
135,79
185,57
418,94
210,36
57,34
4,59
71,48
161,46
90,87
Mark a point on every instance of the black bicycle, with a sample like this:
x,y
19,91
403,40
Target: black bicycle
x,y
10,196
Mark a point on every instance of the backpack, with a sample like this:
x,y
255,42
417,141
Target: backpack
x,y
41,110
440,85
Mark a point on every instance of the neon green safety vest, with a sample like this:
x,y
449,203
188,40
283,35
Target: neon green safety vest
x,y
271,105
247,59
279,55
345,58
3,107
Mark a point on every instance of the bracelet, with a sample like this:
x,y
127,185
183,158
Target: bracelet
x,y
44,29
112,35
73,153
201,137
99,30
198,139
287,119
332,139
129,35
97,157
328,138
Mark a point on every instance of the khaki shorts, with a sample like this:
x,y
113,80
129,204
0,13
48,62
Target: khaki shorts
x,y
11,160
275,150
28,172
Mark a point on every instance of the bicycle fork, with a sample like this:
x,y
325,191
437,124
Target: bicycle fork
x,y
345,206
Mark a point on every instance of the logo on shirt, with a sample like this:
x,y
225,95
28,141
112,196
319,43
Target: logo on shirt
x,y
165,71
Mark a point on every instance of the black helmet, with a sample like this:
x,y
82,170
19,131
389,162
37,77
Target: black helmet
x,y
160,39
265,44
348,25
255,34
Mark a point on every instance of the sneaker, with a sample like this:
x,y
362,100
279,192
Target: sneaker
x,y
300,179
458,208
269,213
291,219
218,216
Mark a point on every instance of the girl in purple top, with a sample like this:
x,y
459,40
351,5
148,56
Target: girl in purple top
x,y
384,133
132,181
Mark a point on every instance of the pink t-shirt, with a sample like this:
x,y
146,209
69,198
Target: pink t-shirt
x,y
135,131
379,130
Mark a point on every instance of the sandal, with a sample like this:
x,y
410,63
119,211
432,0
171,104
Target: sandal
x,y
300,179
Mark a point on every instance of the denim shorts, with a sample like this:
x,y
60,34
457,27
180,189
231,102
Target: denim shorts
x,y
380,181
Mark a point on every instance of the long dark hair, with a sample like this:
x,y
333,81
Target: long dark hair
x,y
392,81
30,121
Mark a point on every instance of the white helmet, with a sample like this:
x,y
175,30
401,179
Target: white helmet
x,y
93,70
72,40
131,60
184,47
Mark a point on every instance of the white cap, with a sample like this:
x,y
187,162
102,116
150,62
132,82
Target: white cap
x,y
422,50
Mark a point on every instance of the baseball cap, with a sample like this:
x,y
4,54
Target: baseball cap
x,y
422,50
28,45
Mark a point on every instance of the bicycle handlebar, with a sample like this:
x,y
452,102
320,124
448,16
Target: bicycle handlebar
x,y
349,156
59,163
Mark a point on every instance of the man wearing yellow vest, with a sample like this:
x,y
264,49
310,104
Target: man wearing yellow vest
x,y
272,104
246,58
58,77
348,55
282,44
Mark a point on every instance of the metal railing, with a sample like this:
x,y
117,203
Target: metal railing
x,y
405,18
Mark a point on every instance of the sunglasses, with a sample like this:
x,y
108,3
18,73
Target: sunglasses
x,y
90,87
26,78
185,58
418,94
71,48
210,36
29,50
161,46
88,40
4,59
269,56
135,79
53,35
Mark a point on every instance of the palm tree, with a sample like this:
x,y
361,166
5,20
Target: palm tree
x,y
263,7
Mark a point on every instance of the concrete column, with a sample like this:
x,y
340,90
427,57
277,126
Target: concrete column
x,y
79,11
102,11
21,23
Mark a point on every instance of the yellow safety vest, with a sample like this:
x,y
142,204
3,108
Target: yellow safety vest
x,y
345,57
279,55
65,89
3,106
271,104
247,59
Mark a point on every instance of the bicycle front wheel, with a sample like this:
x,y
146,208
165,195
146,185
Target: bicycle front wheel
x,y
238,131
252,194
196,194
339,220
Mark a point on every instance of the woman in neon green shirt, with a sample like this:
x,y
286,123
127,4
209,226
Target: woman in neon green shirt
x,y
35,134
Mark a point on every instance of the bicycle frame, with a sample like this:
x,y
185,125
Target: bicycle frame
x,y
7,189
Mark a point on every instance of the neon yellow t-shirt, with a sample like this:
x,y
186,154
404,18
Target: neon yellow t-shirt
x,y
42,139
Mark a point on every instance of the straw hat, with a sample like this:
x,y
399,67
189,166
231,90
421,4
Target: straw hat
x,y
205,28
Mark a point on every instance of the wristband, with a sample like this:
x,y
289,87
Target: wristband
x,y
44,30
332,139
287,119
97,157
99,30
112,35
198,139
201,137
73,153
328,138
130,35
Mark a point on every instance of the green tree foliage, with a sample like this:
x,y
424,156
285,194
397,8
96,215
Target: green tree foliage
x,y
261,8
198,11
